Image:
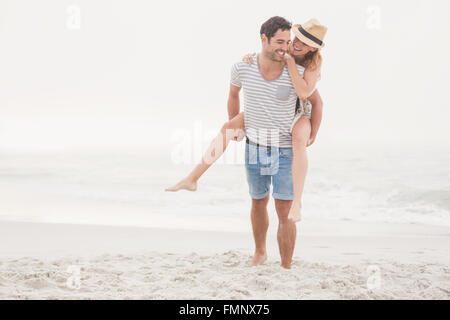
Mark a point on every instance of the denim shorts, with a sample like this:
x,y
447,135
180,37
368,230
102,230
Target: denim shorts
x,y
266,165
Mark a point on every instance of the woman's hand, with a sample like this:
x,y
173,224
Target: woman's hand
x,y
290,49
248,58
290,61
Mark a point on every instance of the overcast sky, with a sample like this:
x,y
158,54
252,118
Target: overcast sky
x,y
130,73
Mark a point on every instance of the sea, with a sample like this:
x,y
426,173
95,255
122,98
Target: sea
x,y
125,187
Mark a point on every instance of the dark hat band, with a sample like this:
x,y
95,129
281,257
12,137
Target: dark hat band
x,y
309,36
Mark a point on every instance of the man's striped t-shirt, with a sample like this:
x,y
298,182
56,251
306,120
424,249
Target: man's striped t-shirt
x,y
269,106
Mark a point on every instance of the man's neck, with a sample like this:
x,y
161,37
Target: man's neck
x,y
269,65
269,69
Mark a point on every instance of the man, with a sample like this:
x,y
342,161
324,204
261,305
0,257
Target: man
x,y
269,107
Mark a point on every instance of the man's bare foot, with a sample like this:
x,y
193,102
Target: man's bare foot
x,y
259,258
295,213
184,184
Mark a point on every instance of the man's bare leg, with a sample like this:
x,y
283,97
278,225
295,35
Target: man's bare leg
x,y
260,224
215,150
287,232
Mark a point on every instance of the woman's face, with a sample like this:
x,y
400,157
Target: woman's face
x,y
298,48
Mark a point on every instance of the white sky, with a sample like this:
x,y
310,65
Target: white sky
x,y
135,71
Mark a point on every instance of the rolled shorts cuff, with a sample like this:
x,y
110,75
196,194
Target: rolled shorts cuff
x,y
259,196
281,196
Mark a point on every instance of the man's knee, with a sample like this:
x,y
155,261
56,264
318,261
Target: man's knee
x,y
260,203
282,207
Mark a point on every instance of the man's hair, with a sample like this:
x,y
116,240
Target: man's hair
x,y
271,26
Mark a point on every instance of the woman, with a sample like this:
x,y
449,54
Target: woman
x,y
305,51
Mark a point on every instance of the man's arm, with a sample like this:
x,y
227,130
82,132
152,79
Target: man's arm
x,y
316,115
233,102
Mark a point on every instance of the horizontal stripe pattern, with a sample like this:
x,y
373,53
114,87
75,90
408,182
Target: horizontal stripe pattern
x,y
269,106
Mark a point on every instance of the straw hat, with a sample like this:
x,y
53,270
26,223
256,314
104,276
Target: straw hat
x,y
311,33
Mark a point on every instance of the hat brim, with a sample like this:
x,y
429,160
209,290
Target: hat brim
x,y
304,39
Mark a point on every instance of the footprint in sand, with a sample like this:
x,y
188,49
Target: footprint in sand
x,y
37,284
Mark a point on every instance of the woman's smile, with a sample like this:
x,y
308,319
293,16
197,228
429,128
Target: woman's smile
x,y
296,48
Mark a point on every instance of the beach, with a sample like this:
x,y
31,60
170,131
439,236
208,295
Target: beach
x,y
344,260
98,225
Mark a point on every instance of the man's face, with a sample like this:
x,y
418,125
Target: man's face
x,y
276,48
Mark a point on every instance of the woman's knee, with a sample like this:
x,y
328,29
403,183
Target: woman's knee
x,y
237,122
226,126
234,124
228,130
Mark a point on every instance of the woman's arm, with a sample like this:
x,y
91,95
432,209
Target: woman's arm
x,y
303,86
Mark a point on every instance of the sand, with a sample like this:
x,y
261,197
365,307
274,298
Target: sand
x,y
332,260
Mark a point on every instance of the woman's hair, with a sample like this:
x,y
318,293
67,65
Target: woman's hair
x,y
310,61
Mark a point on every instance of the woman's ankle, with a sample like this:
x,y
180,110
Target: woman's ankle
x,y
191,179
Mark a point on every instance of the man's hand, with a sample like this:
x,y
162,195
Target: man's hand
x,y
311,140
239,134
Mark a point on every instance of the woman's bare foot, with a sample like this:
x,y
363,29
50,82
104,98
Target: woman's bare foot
x,y
295,212
259,258
184,184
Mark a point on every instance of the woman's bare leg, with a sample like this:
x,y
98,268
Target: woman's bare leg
x,y
214,152
300,135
